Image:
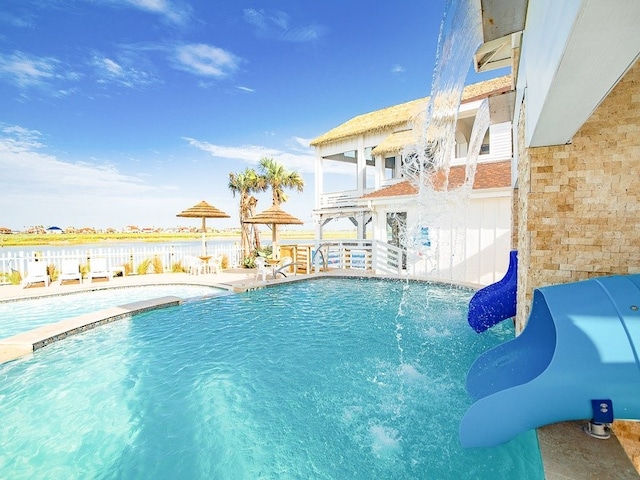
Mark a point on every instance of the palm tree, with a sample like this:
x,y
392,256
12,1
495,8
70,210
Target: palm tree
x,y
245,183
278,178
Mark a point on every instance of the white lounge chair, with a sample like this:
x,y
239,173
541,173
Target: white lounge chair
x,y
283,267
70,271
98,269
194,265
215,264
36,273
261,268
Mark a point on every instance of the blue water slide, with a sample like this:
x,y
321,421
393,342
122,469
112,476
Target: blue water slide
x,y
495,302
580,344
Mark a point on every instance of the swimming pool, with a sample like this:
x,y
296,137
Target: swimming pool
x,y
23,315
322,379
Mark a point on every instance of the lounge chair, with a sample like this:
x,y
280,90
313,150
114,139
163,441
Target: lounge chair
x,y
70,271
261,268
98,269
194,265
283,267
215,264
36,273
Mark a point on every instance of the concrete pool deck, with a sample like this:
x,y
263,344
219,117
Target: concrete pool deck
x,y
567,452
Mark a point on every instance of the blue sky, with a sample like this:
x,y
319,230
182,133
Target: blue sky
x,y
125,112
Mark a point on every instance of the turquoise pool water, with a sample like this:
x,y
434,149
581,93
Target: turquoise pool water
x,y
321,379
24,315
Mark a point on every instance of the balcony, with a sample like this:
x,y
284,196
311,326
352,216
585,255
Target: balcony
x,y
346,198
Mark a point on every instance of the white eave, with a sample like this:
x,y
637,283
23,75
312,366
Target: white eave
x,y
573,53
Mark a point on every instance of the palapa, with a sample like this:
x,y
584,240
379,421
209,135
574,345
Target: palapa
x,y
203,210
274,216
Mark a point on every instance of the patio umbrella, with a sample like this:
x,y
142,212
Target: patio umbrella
x,y
203,210
274,216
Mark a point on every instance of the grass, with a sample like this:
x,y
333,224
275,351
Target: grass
x,y
23,239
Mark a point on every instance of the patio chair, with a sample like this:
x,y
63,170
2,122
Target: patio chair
x,y
70,271
215,264
36,273
261,268
194,265
283,266
98,269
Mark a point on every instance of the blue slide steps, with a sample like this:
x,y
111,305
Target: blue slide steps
x,y
581,343
495,302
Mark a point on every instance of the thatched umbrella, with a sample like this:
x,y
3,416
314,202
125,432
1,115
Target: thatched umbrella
x,y
203,210
274,216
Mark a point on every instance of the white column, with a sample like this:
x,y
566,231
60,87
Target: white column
x,y
361,167
379,178
319,179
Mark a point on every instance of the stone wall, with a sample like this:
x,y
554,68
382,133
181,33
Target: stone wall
x,y
579,204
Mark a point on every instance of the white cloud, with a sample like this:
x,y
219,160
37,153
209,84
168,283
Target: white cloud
x,y
245,89
25,167
28,70
14,20
397,69
40,188
171,11
112,67
206,60
299,158
276,24
109,71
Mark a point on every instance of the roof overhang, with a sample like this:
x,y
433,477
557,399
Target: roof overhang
x,y
500,20
573,55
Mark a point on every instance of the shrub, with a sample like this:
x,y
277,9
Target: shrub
x,y
177,267
248,261
14,278
157,265
143,267
128,268
52,272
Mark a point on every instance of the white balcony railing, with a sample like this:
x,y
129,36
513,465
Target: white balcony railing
x,y
347,198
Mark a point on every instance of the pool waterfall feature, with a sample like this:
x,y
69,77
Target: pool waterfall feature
x,y
438,231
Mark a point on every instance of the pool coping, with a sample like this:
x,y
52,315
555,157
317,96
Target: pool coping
x,y
17,346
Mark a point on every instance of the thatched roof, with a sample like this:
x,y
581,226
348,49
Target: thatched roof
x,y
274,215
396,142
202,210
403,114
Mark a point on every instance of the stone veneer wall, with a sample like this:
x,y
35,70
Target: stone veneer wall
x,y
579,204
578,208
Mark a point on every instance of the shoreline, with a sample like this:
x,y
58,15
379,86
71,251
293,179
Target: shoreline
x,y
64,239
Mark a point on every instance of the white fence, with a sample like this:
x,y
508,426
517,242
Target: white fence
x,y
166,255
375,255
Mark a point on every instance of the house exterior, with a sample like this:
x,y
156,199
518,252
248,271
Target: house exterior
x,y
384,205
576,119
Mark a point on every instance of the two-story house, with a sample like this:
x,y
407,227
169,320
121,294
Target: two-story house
x,y
369,152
